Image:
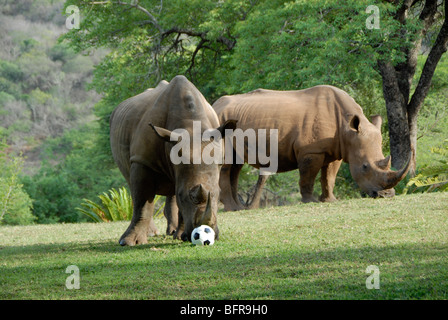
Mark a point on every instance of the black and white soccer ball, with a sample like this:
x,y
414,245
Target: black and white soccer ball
x,y
203,236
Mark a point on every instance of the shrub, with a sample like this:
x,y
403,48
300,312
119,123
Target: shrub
x,y
432,177
115,206
72,170
54,196
15,204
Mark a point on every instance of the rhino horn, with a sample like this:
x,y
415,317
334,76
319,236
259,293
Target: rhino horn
x,y
198,194
385,163
207,215
394,177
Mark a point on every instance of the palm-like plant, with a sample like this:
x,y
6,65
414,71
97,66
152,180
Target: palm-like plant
x,y
434,177
115,206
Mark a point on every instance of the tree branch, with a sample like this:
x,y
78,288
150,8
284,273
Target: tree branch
x,y
229,43
152,19
159,46
402,12
198,47
439,48
406,70
190,33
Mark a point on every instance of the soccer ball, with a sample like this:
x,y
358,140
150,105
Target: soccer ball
x,y
203,236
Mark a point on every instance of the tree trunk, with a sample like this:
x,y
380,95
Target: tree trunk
x,y
397,116
402,110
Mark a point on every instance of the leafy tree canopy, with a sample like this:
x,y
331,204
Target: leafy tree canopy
x,y
235,46
369,48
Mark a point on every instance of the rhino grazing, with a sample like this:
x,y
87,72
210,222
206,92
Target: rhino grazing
x,y
318,128
141,129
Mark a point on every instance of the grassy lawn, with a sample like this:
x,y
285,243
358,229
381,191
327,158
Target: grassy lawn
x,y
312,251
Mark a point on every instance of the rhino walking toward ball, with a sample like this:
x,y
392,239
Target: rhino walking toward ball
x,y
141,131
318,128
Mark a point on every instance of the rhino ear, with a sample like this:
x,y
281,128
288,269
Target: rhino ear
x,y
167,135
377,121
354,123
229,124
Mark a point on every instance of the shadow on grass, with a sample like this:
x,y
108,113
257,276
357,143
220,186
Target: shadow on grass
x,y
176,270
99,246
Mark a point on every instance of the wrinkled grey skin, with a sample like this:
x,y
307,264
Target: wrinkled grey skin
x,y
140,130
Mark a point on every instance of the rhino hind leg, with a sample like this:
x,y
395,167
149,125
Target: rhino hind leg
x,y
143,193
234,177
309,167
228,182
328,179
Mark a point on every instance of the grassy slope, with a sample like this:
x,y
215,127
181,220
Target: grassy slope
x,y
313,251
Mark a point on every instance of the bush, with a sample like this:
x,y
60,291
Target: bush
x,y
432,177
72,170
11,71
15,204
54,196
114,207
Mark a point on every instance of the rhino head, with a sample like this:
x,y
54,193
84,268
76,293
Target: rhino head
x,y
196,182
368,166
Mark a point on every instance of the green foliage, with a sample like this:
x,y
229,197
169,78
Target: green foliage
x,y
54,196
432,177
6,98
42,82
61,52
41,11
15,204
115,206
237,46
11,71
433,117
10,75
224,47
436,100
72,170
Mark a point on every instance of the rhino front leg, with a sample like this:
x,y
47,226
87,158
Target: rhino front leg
x,y
141,226
328,179
143,193
309,167
180,228
171,212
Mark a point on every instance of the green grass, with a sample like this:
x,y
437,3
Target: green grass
x,y
312,251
